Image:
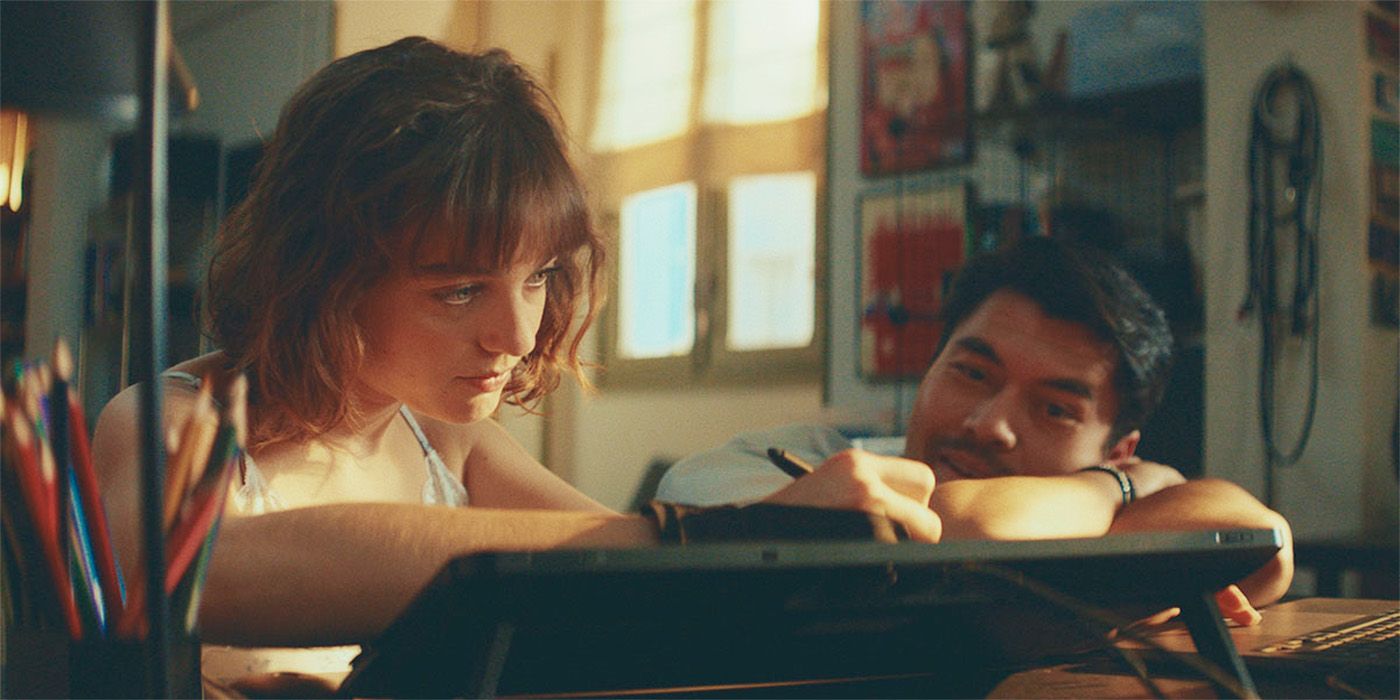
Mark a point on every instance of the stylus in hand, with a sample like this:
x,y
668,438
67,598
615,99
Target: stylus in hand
x,y
790,463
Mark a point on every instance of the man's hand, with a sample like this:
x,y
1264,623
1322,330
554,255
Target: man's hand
x,y
1207,503
1149,477
896,488
1235,606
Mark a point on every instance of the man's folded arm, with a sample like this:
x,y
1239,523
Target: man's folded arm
x,y
1026,507
1078,504
1203,504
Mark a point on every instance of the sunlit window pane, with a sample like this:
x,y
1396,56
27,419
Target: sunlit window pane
x,y
648,67
657,273
762,61
772,261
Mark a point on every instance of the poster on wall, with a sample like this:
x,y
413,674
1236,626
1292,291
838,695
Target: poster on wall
x,y
912,244
1383,231
915,58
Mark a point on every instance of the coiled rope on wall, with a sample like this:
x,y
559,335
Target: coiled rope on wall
x,y
1285,162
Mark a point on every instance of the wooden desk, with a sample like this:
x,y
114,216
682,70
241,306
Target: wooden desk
x,y
1102,675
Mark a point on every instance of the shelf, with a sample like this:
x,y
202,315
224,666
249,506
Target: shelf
x,y
1165,107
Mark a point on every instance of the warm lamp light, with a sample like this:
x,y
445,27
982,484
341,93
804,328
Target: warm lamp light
x,y
14,147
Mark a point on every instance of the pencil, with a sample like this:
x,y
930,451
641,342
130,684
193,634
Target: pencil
x,y
89,495
29,456
197,577
195,441
190,532
790,463
57,414
82,566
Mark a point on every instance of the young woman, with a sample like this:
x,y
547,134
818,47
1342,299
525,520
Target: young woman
x,y
415,248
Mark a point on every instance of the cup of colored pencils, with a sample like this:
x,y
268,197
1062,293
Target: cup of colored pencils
x,y
60,575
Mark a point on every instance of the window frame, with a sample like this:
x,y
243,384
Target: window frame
x,y
711,155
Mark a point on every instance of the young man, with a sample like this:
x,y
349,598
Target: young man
x,y
1051,359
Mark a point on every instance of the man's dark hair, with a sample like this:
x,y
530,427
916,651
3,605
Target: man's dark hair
x,y
1074,283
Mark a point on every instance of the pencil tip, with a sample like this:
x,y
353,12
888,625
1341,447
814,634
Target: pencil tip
x,y
19,430
62,360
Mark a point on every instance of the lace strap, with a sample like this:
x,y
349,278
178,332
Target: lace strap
x,y
441,486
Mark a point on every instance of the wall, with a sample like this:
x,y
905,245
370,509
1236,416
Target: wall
x,y
363,25
1347,455
69,181
242,81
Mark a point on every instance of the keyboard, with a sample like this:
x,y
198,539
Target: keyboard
x,y
1373,641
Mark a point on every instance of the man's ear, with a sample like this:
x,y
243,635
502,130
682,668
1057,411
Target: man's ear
x,y
1124,448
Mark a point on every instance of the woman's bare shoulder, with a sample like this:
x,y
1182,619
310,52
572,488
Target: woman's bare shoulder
x,y
214,365
177,397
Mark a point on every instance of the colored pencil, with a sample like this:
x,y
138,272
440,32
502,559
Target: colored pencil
x,y
29,457
185,540
88,491
196,438
198,576
56,391
82,567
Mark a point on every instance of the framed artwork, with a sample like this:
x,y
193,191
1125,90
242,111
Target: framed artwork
x,y
912,243
915,57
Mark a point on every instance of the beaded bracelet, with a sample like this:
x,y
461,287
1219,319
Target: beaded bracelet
x,y
1125,483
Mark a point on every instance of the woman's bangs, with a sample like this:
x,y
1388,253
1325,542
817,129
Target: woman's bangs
x,y
493,222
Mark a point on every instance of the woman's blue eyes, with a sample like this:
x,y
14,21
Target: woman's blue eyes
x,y
461,295
466,293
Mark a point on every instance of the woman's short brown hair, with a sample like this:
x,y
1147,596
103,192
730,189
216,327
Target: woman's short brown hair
x,y
376,154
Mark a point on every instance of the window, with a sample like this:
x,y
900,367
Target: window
x,y
708,144
647,67
657,267
772,261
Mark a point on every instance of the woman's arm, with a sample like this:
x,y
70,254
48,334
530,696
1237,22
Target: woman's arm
x,y
340,573
327,574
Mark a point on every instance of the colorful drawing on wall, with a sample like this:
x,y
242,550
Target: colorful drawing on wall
x,y
914,93
1382,41
912,243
